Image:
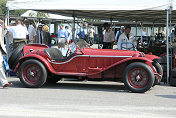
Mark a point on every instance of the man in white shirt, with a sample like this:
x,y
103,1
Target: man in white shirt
x,y
91,35
108,40
19,33
126,40
31,37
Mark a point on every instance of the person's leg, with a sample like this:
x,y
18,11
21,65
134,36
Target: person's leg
x,y
30,41
3,79
15,44
62,40
105,45
109,45
19,42
91,41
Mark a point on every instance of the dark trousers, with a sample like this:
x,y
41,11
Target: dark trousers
x,y
18,42
107,45
91,41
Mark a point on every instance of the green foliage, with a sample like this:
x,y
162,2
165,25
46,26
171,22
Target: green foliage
x,y
3,9
39,14
42,15
17,12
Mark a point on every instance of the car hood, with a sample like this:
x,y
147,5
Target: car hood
x,y
109,52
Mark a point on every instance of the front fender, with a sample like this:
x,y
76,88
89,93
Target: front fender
x,y
38,57
128,60
151,57
132,59
125,62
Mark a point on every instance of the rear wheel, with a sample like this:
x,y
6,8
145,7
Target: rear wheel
x,y
15,56
32,73
138,77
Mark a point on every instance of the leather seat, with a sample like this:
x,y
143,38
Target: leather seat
x,y
54,54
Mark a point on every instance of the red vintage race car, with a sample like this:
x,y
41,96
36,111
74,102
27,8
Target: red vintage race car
x,y
36,64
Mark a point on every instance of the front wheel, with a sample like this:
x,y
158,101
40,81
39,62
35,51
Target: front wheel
x,y
138,77
32,73
159,70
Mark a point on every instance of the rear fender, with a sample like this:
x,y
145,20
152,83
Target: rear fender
x,y
32,47
38,57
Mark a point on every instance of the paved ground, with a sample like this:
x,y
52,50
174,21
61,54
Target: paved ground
x,y
75,99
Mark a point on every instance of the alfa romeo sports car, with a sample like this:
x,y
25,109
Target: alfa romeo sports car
x,y
36,63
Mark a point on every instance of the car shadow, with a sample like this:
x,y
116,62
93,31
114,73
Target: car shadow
x,y
78,85
167,96
87,86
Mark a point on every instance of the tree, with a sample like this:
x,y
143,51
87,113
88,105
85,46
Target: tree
x,y
38,14
3,9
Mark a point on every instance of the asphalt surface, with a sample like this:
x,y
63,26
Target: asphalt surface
x,y
86,99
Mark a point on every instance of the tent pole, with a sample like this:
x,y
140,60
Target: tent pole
x,y
73,29
153,29
141,31
136,29
170,38
49,26
7,39
167,47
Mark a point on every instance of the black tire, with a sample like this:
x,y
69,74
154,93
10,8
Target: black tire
x,y
53,79
142,70
32,73
159,70
17,60
14,57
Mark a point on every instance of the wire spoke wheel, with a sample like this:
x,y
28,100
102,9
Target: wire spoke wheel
x,y
138,77
32,73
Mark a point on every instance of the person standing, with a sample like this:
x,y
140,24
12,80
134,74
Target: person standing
x,y
62,35
42,36
19,33
122,29
144,33
91,35
31,37
69,33
127,40
3,79
83,33
47,35
172,35
108,40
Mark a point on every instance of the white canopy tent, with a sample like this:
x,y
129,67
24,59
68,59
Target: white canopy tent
x,y
141,10
129,10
